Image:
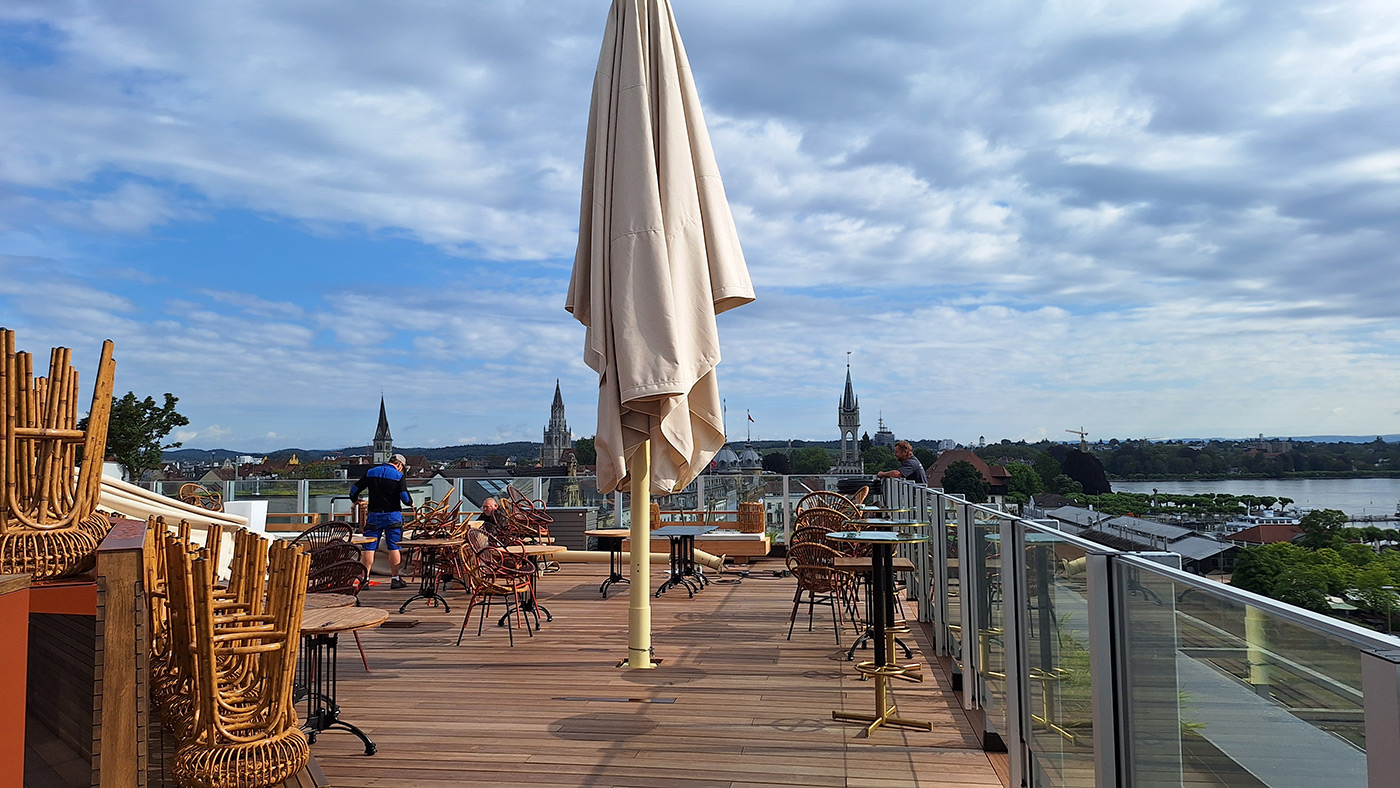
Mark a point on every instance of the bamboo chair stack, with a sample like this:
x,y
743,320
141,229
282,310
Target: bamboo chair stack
x,y
49,525
224,656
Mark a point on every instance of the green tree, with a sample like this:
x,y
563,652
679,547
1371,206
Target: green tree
x,y
777,462
1320,526
1047,468
1063,485
879,458
1371,592
963,478
1258,568
865,443
1303,586
135,430
811,459
312,470
1024,483
926,457
585,452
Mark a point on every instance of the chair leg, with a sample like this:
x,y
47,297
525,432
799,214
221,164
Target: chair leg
x,y
792,619
835,618
468,617
361,647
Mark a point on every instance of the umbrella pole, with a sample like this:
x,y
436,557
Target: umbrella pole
x,y
639,599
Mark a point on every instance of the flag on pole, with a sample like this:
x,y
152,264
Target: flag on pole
x,y
750,415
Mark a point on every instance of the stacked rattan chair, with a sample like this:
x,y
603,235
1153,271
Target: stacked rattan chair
x,y
49,525
811,561
492,572
224,656
830,500
526,519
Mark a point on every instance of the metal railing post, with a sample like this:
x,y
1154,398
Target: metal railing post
x,y
787,510
1380,683
939,573
1013,590
1103,687
971,659
304,498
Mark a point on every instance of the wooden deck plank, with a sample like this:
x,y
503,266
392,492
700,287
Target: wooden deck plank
x,y
747,708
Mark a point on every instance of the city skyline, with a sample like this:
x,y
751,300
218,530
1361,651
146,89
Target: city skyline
x,y
1019,218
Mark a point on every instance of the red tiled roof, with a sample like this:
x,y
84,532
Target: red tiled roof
x,y
994,475
1267,534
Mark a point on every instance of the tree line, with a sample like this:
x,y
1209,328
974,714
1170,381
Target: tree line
x,y
1360,566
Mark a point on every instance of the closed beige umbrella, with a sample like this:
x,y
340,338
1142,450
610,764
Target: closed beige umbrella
x,y
658,257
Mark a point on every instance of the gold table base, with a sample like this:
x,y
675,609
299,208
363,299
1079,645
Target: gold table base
x,y
886,712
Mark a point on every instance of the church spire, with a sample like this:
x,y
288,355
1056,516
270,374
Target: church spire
x,y
557,438
848,421
848,400
383,441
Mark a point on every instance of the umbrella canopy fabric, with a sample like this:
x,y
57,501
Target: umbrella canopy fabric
x,y
658,255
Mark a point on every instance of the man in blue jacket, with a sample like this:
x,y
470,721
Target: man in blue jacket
x,y
388,489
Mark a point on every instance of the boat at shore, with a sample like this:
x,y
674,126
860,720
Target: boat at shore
x,y
1266,517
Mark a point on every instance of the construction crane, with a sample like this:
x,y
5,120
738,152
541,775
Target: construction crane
x,y
1083,442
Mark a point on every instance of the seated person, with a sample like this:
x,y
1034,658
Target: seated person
x,y
909,467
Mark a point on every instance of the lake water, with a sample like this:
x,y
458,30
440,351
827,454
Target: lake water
x,y
1356,497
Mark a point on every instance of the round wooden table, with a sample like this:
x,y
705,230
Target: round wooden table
x,y
611,540
428,575
328,601
320,630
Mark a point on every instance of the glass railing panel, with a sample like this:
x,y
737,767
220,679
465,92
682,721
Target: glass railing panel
x,y
1059,702
986,557
329,498
953,597
1226,693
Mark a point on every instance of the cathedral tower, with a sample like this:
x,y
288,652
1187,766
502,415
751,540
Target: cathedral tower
x,y
556,435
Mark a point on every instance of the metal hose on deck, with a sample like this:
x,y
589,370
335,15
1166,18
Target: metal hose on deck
x,y
707,560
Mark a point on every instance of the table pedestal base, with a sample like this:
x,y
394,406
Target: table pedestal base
x,y
319,683
886,713
427,582
614,561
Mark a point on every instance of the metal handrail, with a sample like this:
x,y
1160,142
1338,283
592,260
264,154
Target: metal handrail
x,y
1359,637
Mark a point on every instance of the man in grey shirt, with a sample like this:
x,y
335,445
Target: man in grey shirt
x,y
909,467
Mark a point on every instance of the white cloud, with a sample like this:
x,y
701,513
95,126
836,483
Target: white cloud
x,y
1017,214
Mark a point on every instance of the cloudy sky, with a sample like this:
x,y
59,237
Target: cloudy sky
x,y
1178,218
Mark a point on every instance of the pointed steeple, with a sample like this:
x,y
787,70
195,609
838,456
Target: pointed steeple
x,y
557,438
848,421
383,442
381,433
848,400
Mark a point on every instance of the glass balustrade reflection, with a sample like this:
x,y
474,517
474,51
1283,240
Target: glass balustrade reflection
x,y
1059,700
986,557
1224,693
953,597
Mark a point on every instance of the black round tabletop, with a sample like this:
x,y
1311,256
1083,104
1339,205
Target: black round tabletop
x,y
877,537
886,525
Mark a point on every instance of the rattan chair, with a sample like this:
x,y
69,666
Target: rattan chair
x,y
813,566
318,536
49,524
201,496
830,500
245,734
490,572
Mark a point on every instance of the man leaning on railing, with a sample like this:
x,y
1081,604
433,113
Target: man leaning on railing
x,y
909,467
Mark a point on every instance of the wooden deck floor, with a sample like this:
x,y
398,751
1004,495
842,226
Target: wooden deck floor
x,y
735,705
